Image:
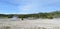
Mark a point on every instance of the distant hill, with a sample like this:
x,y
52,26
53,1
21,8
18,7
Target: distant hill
x,y
50,15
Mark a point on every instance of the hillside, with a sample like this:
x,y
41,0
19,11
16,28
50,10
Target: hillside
x,y
50,15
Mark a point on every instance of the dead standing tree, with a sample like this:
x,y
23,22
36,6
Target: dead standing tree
x,y
22,18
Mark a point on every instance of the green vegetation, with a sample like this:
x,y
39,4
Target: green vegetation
x,y
50,15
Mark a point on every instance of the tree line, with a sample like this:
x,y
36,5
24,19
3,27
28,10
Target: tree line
x,y
49,15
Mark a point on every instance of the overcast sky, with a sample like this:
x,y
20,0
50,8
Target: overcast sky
x,y
28,6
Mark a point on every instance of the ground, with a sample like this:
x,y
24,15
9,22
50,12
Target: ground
x,y
30,24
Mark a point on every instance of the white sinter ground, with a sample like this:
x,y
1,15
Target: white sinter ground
x,y
31,24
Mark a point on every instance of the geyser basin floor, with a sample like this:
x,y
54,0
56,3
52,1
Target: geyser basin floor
x,y
46,23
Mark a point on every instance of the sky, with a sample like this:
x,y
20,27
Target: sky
x,y
28,6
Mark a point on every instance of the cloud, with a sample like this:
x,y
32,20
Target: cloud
x,y
32,6
35,6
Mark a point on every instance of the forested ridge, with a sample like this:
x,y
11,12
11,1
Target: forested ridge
x,y
50,15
